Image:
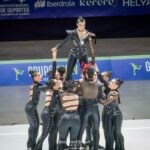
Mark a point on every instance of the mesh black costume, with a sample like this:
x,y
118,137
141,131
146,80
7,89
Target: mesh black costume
x,y
69,120
112,123
79,50
56,110
50,114
89,128
32,115
90,92
51,100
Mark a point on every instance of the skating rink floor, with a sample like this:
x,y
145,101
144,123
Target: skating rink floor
x,y
135,98
136,134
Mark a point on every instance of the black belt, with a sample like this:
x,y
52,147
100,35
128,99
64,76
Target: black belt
x,y
89,102
70,111
90,99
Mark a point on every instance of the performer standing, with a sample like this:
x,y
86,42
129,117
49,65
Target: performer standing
x,y
70,118
89,136
91,92
80,37
31,109
57,74
52,99
46,117
51,111
112,117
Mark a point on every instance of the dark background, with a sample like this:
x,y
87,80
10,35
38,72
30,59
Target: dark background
x,y
33,39
47,29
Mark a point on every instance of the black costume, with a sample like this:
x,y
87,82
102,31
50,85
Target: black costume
x,y
69,120
79,50
56,110
91,91
50,115
47,115
32,115
112,122
89,128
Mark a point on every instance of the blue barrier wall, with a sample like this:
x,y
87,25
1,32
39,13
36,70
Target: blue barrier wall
x,y
126,68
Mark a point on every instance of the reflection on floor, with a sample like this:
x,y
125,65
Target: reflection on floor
x,y
136,134
134,102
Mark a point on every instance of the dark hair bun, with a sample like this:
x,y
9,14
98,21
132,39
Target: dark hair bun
x,y
119,82
61,70
70,84
50,83
32,73
90,72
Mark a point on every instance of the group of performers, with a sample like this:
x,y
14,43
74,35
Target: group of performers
x,y
72,106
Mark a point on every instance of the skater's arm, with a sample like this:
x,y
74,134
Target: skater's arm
x,y
78,87
54,64
100,93
61,44
100,77
110,99
44,88
51,73
91,48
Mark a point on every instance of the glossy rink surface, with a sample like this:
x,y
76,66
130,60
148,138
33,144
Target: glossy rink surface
x,y
134,102
136,134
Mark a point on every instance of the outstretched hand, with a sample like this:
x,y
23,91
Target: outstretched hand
x,y
92,34
54,49
54,53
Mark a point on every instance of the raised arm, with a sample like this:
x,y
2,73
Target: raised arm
x,y
91,49
61,44
54,64
43,88
100,93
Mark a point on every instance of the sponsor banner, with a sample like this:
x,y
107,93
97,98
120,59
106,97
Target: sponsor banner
x,y
16,73
131,69
27,9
